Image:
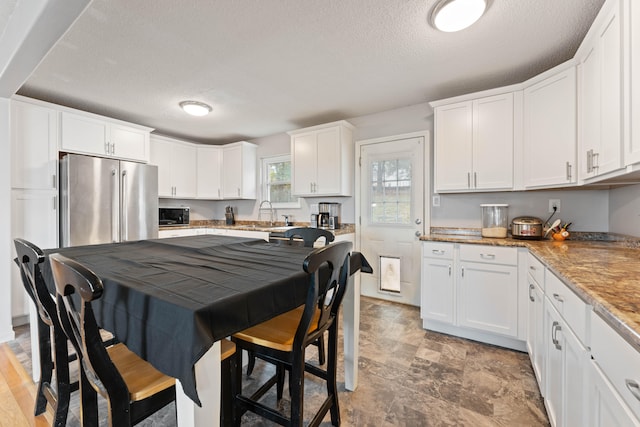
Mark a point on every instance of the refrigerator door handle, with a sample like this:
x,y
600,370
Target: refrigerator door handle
x,y
124,210
114,206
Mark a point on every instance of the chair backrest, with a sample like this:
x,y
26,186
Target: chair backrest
x,y
309,235
328,269
76,287
29,259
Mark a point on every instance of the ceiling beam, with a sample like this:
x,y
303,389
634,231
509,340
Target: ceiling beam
x,y
33,27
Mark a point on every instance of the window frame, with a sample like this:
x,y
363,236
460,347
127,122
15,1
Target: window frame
x,y
265,161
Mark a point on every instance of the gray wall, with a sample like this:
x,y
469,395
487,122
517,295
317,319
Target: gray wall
x,y
624,210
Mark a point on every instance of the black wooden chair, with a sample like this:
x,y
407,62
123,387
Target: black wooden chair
x,y
309,236
132,387
284,339
52,341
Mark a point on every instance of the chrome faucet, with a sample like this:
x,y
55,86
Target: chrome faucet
x,y
270,209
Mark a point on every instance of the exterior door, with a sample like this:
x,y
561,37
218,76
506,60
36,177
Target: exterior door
x,y
392,215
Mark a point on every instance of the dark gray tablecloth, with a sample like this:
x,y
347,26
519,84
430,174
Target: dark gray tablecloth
x,y
169,300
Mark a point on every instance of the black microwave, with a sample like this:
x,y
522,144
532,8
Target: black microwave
x,y
174,216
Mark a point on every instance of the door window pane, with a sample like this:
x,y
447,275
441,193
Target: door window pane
x,y
390,197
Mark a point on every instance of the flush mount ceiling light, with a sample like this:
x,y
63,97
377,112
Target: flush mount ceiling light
x,y
456,15
195,108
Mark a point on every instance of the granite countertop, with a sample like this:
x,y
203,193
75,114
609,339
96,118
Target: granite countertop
x,y
253,226
604,273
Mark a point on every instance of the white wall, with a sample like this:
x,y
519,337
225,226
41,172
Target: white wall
x,y
624,210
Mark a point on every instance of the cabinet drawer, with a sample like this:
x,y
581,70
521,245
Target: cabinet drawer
x,y
536,269
437,250
571,307
619,361
490,254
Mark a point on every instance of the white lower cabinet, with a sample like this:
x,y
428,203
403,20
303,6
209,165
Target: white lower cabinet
x,y
535,328
472,291
437,296
615,369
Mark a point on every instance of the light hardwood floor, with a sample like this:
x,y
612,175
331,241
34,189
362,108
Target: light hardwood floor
x,y
17,394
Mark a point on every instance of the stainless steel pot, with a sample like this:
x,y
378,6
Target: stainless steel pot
x,y
526,227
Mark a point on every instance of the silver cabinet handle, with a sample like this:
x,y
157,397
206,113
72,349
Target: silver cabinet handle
x,y
558,297
238,191
468,179
555,327
113,148
531,289
218,193
449,270
633,387
437,251
593,164
311,187
475,180
531,267
568,171
487,256
106,148
462,269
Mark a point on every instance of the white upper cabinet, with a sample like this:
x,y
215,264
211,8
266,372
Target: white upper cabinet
x,y
322,160
601,95
474,144
239,170
90,134
632,148
34,146
176,161
550,129
209,170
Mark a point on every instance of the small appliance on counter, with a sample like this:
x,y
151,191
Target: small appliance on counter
x,y
314,220
228,216
526,228
494,220
173,216
329,215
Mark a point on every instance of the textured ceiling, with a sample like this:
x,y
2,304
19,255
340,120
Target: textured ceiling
x,y
271,66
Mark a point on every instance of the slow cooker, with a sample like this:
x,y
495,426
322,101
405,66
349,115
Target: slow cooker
x,y
526,227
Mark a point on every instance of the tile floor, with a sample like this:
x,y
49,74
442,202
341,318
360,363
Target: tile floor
x,y
408,377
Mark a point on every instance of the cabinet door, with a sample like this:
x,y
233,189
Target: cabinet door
x,y
574,373
606,407
209,180
162,156
83,134
129,143
437,294
329,169
493,143
453,147
34,146
553,381
184,170
590,112
305,163
34,217
550,131
488,298
610,41
232,176
535,340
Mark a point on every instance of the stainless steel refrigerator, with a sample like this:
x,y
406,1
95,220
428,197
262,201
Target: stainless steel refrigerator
x,y
106,200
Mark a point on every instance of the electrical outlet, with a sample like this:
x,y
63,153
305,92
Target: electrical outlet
x,y
554,203
435,201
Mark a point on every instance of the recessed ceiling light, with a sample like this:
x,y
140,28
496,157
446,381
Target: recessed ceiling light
x,y
195,108
456,15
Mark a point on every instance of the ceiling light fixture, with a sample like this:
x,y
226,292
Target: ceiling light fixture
x,y
456,15
195,108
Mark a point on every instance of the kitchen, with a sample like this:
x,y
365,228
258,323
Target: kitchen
x,y
595,209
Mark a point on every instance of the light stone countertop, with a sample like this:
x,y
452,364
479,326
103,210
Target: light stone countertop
x,y
253,226
604,273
